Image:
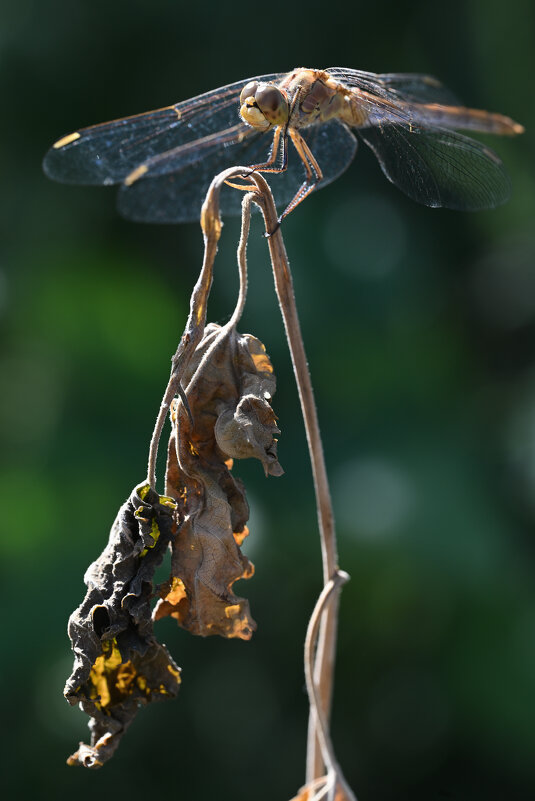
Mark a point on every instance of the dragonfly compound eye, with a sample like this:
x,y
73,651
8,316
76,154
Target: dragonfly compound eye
x,y
249,90
263,105
272,103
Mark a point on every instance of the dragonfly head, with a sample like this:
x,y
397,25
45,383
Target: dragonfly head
x,y
263,105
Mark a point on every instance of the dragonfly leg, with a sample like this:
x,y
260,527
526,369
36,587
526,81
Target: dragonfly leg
x,y
269,165
313,172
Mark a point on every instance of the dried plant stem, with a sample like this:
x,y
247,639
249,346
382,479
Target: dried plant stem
x,y
190,338
194,329
334,777
240,304
326,647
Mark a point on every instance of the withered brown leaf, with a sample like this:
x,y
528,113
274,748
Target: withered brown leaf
x,y
119,665
230,383
316,789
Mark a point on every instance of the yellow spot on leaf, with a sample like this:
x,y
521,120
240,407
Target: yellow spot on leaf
x,y
155,533
101,672
125,676
139,516
232,611
177,591
175,673
261,359
169,502
239,536
111,680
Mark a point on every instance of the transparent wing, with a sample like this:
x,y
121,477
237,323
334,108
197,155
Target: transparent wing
x,y
417,88
178,196
404,86
108,153
439,167
410,100
409,128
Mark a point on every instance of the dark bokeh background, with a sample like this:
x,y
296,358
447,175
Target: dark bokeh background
x,y
420,330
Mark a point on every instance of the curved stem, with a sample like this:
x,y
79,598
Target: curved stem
x,y
240,303
192,335
325,653
334,776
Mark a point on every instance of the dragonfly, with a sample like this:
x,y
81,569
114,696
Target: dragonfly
x,y
304,127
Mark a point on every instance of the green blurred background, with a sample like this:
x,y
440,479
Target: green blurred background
x,y
420,330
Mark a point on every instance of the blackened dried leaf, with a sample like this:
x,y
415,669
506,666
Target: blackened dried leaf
x,y
119,665
230,402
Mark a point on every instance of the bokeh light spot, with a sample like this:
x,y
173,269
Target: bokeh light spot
x,y
373,497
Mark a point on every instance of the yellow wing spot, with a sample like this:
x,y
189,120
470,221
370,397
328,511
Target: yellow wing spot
x,y
135,174
66,140
178,114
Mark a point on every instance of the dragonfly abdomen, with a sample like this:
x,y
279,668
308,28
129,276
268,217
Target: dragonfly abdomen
x,y
467,119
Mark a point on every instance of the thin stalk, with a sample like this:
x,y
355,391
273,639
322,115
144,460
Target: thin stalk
x,y
182,442
192,334
240,303
334,778
326,648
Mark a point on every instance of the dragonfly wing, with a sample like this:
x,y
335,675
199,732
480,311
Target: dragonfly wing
x,y
178,196
405,86
439,168
411,100
418,88
109,153
334,146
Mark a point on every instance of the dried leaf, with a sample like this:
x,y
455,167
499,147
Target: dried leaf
x,y
316,789
248,428
118,664
230,402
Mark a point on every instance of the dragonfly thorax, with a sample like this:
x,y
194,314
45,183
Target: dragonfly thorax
x,y
263,105
322,101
